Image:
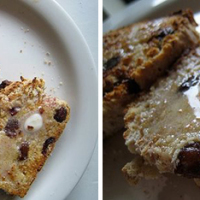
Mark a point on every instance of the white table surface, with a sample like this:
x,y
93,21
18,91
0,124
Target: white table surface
x,y
85,15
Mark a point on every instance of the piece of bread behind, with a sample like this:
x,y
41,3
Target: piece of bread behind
x,y
136,55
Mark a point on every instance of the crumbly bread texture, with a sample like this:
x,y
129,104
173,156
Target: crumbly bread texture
x,y
163,125
136,55
137,169
24,150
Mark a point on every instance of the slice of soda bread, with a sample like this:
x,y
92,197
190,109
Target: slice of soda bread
x,y
30,124
163,125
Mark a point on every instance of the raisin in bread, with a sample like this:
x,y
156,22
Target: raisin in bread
x,y
30,124
163,125
136,55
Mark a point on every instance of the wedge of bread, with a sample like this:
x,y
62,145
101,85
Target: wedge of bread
x,y
163,125
30,124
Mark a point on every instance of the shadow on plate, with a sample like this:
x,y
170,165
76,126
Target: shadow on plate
x,y
4,196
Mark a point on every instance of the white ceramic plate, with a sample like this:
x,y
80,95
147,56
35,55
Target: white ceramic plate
x,y
115,153
38,38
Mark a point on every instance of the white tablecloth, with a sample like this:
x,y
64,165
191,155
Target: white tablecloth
x,y
85,15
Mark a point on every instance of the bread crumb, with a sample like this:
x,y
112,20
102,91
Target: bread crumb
x,y
47,62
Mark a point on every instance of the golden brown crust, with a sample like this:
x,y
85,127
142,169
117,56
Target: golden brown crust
x,y
17,173
136,55
131,50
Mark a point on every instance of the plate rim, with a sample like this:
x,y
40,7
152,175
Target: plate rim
x,y
54,6
147,6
